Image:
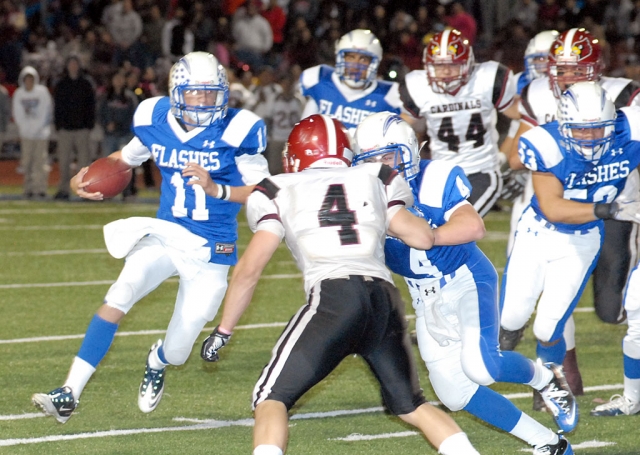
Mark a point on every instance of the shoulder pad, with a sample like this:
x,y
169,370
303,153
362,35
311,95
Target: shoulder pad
x,y
545,144
239,126
144,113
632,114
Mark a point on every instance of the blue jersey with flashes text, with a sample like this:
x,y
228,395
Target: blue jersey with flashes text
x,y
215,148
438,190
542,149
349,106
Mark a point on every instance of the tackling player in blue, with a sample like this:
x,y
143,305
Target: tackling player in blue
x,y
580,163
454,290
350,92
193,235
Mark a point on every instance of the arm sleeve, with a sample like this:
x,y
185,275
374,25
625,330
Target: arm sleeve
x,y
135,153
262,215
310,108
253,168
399,194
530,156
504,88
457,190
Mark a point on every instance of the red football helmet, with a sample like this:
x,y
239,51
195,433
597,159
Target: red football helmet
x,y
448,60
317,141
575,56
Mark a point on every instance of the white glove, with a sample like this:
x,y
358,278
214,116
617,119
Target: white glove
x,y
625,209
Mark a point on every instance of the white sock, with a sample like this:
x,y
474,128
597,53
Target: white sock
x,y
154,360
264,449
541,376
79,374
632,389
533,432
457,444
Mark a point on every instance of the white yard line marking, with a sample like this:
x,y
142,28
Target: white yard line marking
x,y
53,227
279,276
53,252
371,437
137,333
22,416
76,210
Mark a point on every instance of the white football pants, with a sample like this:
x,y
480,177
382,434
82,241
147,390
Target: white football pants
x,y
549,264
198,300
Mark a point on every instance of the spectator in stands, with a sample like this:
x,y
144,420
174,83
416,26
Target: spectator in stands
x,y
125,26
5,114
202,26
152,34
252,34
74,116
277,19
303,49
177,37
32,109
548,14
463,21
526,12
115,111
287,110
266,92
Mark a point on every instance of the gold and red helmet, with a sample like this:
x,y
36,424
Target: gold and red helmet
x,y
448,60
575,56
317,141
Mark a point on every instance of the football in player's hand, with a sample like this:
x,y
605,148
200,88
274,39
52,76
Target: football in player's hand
x,y
108,176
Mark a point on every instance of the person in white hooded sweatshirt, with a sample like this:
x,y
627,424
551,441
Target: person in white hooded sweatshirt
x,y
32,111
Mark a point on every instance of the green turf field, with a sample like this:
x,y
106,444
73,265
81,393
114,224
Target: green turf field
x,y
54,272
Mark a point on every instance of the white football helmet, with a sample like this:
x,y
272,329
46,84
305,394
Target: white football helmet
x,y
199,74
383,134
357,75
586,119
536,55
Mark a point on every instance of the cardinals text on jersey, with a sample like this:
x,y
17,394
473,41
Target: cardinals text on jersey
x,y
462,128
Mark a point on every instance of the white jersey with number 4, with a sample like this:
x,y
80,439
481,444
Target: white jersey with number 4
x,y
462,127
333,220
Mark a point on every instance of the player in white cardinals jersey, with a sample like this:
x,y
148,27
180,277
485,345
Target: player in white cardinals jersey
x,y
516,182
459,100
575,56
333,219
454,288
350,92
580,164
193,236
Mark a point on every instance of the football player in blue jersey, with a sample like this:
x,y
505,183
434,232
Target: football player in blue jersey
x,y
580,164
454,290
350,92
193,235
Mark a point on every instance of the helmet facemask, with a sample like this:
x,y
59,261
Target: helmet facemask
x,y
353,71
396,156
586,121
198,89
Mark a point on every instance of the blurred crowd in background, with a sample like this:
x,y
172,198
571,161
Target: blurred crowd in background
x,y
125,48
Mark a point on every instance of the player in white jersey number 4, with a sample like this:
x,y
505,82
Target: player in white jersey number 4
x,y
459,100
334,220
193,236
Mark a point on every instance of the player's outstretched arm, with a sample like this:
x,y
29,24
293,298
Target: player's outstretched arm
x,y
412,230
226,192
555,207
465,225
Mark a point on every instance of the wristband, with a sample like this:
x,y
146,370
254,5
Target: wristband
x,y
602,211
224,192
